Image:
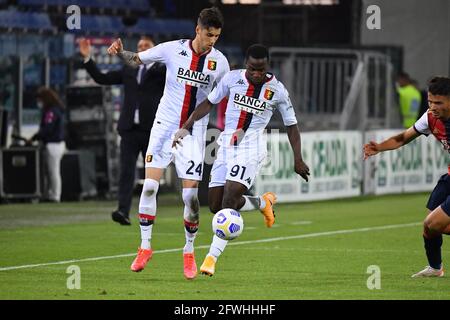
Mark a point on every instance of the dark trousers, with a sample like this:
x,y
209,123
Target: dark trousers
x,y
132,142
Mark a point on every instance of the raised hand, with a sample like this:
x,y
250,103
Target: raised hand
x,y
116,47
85,47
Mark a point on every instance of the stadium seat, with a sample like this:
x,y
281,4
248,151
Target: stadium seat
x,y
162,27
25,20
136,5
101,24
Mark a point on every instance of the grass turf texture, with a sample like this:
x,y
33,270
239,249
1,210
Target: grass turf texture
x,y
326,266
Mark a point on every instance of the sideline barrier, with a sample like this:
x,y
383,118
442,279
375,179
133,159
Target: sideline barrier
x,y
335,159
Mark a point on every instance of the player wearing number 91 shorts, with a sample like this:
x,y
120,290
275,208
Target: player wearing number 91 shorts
x,y
253,94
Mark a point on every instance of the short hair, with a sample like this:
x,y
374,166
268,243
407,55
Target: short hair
x,y
257,51
403,75
439,86
210,18
148,38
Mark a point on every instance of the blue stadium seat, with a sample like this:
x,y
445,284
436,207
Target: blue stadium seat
x,y
25,20
101,24
137,5
163,27
32,3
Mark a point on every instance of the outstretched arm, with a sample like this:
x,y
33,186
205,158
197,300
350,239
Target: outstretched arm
x,y
294,139
128,57
202,110
112,77
372,148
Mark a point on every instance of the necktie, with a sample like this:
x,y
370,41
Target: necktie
x,y
143,70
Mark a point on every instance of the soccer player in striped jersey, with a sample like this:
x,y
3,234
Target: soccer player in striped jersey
x,y
253,94
435,121
193,68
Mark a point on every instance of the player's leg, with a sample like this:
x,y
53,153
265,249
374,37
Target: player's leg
x,y
191,222
263,203
232,194
215,197
147,214
435,225
188,160
244,171
157,159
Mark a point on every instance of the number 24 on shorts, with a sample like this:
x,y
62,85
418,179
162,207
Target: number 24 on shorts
x,y
192,165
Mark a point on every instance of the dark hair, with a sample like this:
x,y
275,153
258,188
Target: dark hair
x,y
210,18
49,98
257,51
148,38
439,86
403,75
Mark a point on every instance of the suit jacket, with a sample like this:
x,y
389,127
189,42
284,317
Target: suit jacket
x,y
146,95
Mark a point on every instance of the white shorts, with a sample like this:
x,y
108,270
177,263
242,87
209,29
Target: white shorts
x,y
188,158
239,164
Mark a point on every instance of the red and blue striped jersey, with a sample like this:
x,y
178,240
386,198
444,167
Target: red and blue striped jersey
x,y
440,129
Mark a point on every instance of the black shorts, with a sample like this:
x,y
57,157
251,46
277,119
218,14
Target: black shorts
x,y
441,195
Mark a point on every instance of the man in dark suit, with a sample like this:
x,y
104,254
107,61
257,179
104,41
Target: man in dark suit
x,y
143,88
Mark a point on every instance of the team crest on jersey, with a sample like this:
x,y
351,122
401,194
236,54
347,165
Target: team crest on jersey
x,y
249,104
212,64
149,158
193,78
268,94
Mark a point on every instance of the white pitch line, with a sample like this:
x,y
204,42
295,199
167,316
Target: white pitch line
x,y
300,236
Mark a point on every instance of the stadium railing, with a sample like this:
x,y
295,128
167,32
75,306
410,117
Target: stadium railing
x,y
337,88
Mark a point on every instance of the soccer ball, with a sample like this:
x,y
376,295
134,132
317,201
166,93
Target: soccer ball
x,y
227,224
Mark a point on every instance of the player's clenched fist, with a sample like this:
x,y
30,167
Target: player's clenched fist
x,y
370,149
115,47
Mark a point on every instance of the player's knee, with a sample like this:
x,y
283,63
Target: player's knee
x,y
431,227
147,202
150,188
190,199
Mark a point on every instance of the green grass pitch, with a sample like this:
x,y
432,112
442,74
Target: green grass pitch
x,y
318,250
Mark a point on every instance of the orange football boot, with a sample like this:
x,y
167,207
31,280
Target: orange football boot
x,y
209,265
190,267
268,212
143,256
